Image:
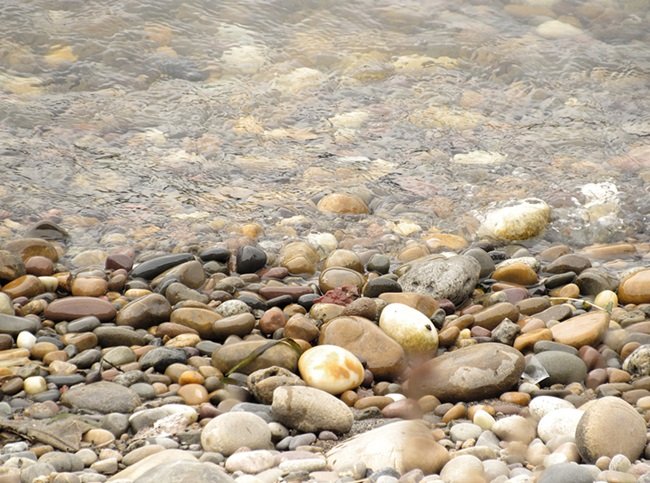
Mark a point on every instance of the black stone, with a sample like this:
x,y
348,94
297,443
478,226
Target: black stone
x,y
375,287
154,267
308,300
558,280
70,380
86,359
281,301
162,357
215,254
250,259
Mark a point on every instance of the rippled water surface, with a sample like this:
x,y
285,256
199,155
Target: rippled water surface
x,y
163,123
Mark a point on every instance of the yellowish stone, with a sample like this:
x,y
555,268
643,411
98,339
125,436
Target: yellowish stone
x,y
585,329
330,368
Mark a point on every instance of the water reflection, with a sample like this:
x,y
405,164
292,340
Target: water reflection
x,y
171,121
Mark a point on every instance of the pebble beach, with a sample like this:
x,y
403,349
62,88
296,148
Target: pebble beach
x,y
480,362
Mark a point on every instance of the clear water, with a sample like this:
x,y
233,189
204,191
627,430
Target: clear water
x,y
165,123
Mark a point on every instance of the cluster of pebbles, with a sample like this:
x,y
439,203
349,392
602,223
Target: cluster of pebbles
x,y
317,363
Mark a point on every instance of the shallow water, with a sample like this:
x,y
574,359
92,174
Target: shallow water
x,y
161,124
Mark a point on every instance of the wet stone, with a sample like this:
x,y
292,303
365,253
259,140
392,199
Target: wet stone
x,y
161,357
71,308
568,263
12,325
154,267
250,259
114,336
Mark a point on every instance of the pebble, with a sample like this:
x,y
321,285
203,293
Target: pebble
x,y
228,432
330,368
520,220
409,327
102,397
559,422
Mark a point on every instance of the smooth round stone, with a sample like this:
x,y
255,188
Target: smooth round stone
x,y
377,286
39,266
117,356
483,419
585,329
299,258
239,325
62,462
30,247
84,324
330,368
332,278
144,312
561,422
7,342
566,472
540,406
568,263
308,409
227,356
250,259
252,462
12,325
451,278
475,372
519,273
610,426
481,256
464,431
82,341
11,266
229,432
102,397
514,428
410,328
25,340
379,263
162,357
562,368
34,385
424,303
193,394
99,437
343,204
71,308
635,288
198,319
301,327
343,259
232,307
89,286
384,357
520,220
272,320
216,254
25,286
114,336
463,469
490,317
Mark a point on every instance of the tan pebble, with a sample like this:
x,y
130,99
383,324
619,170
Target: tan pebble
x,y
530,324
272,320
605,299
428,403
183,340
135,293
635,288
480,407
252,230
99,437
643,403
190,377
62,368
585,329
342,203
413,252
174,388
160,388
618,375
458,411
82,341
24,286
448,336
39,349
209,371
193,394
89,286
526,341
349,397
570,290
373,401
518,273
50,357
483,419
520,398
628,348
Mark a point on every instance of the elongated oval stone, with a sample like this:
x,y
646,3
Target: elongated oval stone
x,y
156,266
71,308
476,372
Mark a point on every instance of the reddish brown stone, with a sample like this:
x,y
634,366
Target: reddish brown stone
x,y
343,295
295,292
25,286
119,260
39,266
272,320
71,308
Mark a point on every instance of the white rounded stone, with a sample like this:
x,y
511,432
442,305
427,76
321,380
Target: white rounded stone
x,y
462,469
25,340
34,385
514,428
50,284
229,432
520,220
483,419
540,406
410,328
606,298
554,29
6,307
464,431
561,422
330,368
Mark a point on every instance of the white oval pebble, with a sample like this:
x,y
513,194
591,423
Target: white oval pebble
x,y
34,385
330,368
561,422
483,419
25,340
542,405
410,328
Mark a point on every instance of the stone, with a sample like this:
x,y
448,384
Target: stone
x,y
475,372
562,368
343,204
13,325
263,382
102,397
635,288
330,368
12,266
71,308
561,422
555,29
89,286
231,431
155,266
606,300
421,302
309,409
506,332
144,312
30,247
162,357
193,394
250,259
190,274
239,325
377,286
493,315
518,273
402,445
301,327
338,277
463,469
566,472
146,418
199,319
581,330
232,307
345,259
518,220
252,462
638,362
451,278
540,406
299,258
464,431
410,328
171,472
26,286
384,357
114,336
610,426
227,356
568,263
6,306
514,428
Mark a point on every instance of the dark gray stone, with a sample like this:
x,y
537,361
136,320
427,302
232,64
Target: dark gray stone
x,y
162,357
562,367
